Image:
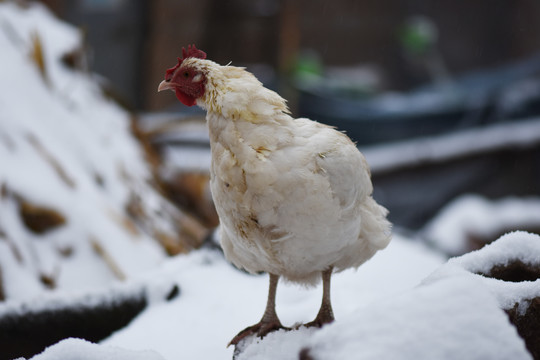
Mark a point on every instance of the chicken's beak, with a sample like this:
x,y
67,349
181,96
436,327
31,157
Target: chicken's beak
x,y
165,85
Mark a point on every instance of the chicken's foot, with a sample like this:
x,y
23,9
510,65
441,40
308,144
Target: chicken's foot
x,y
325,315
269,322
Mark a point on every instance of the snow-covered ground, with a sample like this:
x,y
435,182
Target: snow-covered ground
x,y
216,301
405,303
83,350
451,319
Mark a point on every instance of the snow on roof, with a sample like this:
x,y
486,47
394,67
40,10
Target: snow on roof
x,y
515,134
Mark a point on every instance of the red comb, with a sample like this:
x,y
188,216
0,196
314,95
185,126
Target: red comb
x,y
192,51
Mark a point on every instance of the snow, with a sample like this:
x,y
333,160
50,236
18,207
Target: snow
x,y
183,141
450,319
518,245
453,314
521,134
473,215
383,310
217,301
152,292
186,159
79,349
281,344
64,146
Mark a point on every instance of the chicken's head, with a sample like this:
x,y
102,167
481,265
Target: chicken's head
x,y
186,81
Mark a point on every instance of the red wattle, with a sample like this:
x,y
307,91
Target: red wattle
x,y
185,99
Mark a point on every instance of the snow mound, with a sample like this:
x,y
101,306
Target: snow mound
x,y
461,311
470,220
217,301
283,345
72,348
509,289
77,206
28,327
509,269
451,319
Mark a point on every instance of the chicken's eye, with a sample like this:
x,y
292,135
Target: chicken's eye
x,y
186,74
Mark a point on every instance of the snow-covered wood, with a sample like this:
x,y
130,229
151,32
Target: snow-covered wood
x,y
450,319
516,134
72,348
514,247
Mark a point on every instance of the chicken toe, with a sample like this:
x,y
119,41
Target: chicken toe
x,y
260,329
269,322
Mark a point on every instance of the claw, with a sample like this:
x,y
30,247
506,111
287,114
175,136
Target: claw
x,y
319,322
261,330
325,316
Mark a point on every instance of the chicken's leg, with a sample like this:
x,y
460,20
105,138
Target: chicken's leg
x,y
325,315
269,322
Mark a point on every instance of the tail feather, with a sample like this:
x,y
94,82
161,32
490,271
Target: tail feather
x,y
375,227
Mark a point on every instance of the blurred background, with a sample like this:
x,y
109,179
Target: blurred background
x,y
442,97
394,45
382,71
412,74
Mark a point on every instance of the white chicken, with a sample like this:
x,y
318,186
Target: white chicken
x,y
293,195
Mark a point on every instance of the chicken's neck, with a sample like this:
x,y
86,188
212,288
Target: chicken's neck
x,y
243,116
241,136
253,124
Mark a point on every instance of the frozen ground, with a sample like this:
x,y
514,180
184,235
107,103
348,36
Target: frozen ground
x,y
216,301
83,350
450,319
402,304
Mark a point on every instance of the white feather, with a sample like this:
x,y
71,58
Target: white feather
x,y
293,196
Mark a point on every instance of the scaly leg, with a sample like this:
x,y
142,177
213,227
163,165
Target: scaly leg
x,y
325,315
269,322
